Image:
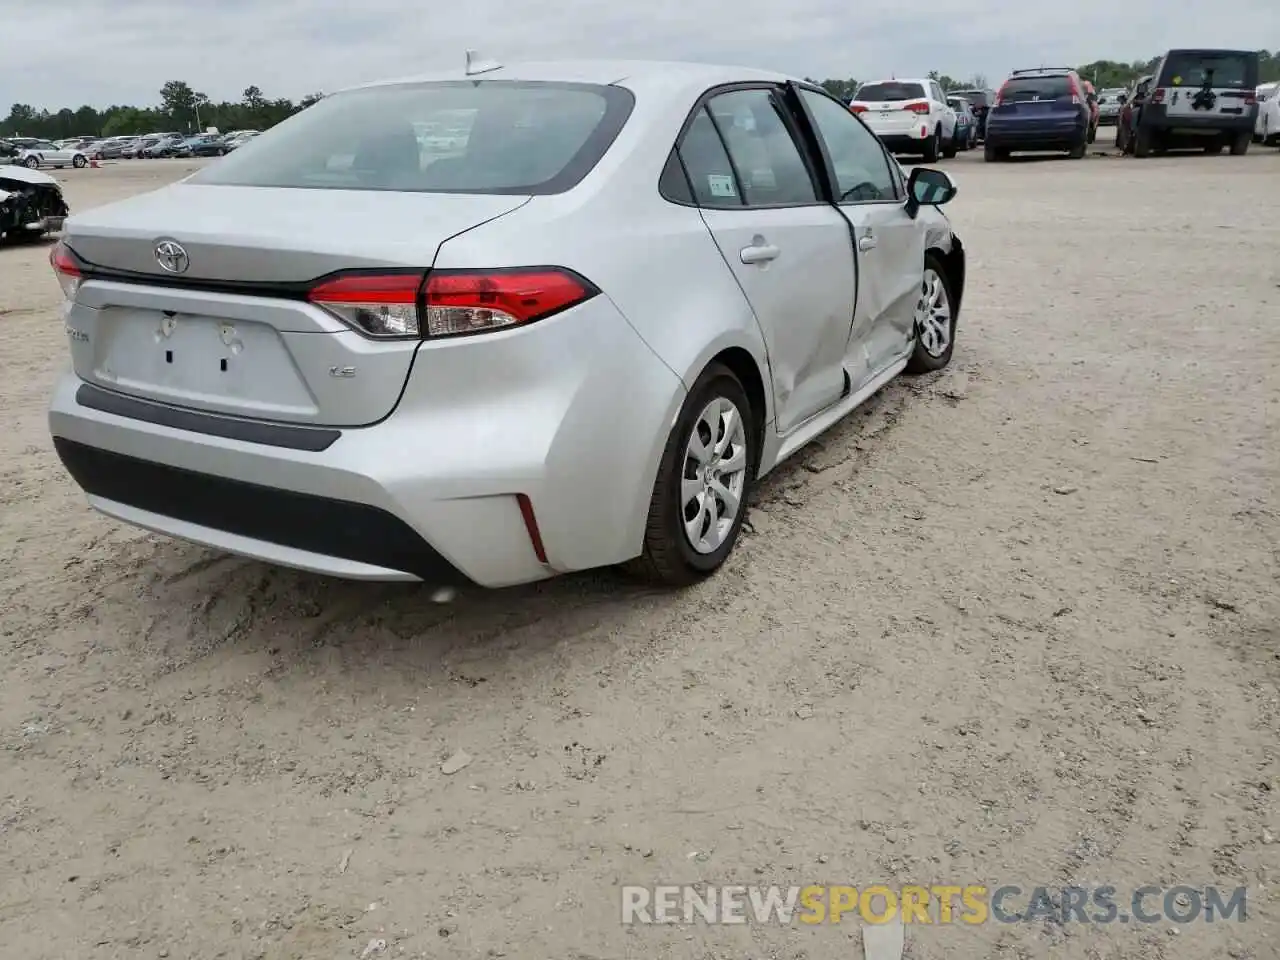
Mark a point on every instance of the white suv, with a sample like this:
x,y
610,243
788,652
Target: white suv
x,y
1267,127
909,116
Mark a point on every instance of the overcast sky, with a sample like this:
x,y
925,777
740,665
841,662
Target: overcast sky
x,y
56,53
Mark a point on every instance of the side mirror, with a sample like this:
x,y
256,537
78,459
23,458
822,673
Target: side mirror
x,y
926,187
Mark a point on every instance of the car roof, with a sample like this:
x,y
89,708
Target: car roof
x,y
628,72
923,80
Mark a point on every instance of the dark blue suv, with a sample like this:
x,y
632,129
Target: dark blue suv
x,y
1036,110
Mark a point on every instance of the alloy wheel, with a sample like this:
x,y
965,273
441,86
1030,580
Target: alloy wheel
x,y
714,475
933,315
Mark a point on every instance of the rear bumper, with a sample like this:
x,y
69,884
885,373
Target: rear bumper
x,y
1158,118
1037,136
573,419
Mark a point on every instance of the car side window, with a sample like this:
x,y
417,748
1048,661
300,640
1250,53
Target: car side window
x,y
863,170
711,175
770,167
673,184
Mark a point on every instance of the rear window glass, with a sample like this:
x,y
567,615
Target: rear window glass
x,y
1189,69
1028,89
488,137
881,92
976,98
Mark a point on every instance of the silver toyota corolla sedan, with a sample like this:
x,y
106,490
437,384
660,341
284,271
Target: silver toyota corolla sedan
x,y
492,326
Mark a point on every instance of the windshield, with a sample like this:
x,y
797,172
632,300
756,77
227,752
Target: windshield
x,y
1030,89
882,92
490,137
1192,69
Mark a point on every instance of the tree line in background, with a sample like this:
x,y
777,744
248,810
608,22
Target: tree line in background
x,y
183,108
1101,73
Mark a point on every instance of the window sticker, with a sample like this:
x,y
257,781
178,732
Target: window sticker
x,y
721,185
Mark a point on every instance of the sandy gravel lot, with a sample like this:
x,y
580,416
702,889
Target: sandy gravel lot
x,y
1016,624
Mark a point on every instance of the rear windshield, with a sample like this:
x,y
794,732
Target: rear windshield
x,y
490,137
1191,69
978,98
1028,89
881,92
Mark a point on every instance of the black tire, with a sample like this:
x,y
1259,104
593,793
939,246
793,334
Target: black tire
x,y
1143,142
950,148
1240,145
933,147
79,162
1077,152
993,154
32,163
1213,149
668,557
922,361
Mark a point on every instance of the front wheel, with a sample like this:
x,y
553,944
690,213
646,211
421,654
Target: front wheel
x,y
32,163
935,321
699,498
79,162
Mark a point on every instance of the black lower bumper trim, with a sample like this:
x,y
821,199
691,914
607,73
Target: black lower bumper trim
x,y
334,528
310,439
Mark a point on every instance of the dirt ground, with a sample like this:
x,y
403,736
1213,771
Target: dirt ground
x,y
1015,624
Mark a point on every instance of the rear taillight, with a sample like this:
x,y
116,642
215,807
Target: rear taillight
x,y
1000,94
449,302
379,304
921,107
1250,100
857,108
66,269
1157,95
474,301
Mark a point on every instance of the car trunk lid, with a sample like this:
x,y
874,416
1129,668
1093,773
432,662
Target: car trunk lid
x,y
1208,84
227,329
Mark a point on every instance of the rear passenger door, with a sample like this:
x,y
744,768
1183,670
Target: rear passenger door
x,y
789,250
868,188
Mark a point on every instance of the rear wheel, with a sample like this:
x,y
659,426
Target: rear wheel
x,y
932,147
1213,149
699,498
1240,145
992,154
79,162
949,150
31,163
1077,152
1142,142
935,323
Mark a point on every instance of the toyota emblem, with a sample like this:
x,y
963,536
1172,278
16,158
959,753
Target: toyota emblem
x,y
172,257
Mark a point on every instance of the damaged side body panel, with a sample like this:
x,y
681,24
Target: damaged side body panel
x,y
31,204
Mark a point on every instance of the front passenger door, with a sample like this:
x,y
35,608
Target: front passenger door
x,y
869,191
788,249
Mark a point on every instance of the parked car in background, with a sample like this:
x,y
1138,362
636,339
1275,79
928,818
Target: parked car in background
x,y
8,151
980,101
240,138
1091,98
966,123
206,145
135,149
31,204
909,116
1110,100
44,153
1266,129
167,146
332,424
1042,109
110,149
1200,98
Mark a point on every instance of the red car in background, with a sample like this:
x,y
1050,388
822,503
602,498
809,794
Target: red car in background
x,y
1095,112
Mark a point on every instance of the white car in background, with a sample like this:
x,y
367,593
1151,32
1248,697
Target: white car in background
x,y
44,153
1267,127
909,116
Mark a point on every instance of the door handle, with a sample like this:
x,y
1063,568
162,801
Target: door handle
x,y
759,253
866,243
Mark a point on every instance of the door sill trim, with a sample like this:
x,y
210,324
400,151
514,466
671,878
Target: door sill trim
x,y
800,435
